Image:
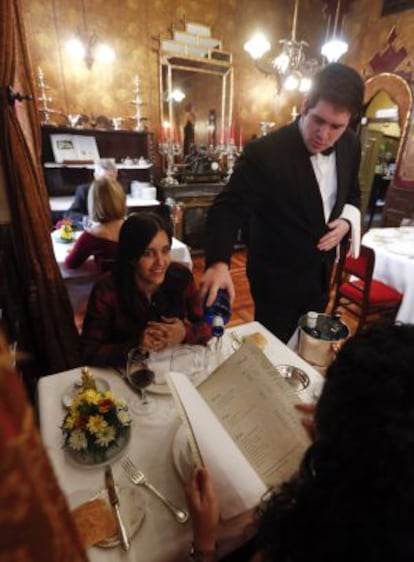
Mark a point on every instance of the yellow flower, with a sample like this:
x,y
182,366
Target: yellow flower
x,y
90,396
69,422
96,424
105,436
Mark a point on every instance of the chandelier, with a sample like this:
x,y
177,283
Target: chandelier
x,y
291,68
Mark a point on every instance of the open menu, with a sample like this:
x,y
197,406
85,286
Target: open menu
x,y
243,426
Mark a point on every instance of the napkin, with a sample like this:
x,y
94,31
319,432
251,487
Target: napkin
x,y
353,215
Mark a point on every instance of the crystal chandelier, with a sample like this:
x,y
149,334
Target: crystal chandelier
x,y
291,68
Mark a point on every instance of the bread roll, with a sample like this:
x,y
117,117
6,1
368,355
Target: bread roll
x,y
256,338
94,521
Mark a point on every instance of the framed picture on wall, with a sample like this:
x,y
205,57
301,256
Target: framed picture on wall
x,y
394,6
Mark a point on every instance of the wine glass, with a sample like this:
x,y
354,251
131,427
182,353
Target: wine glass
x,y
140,376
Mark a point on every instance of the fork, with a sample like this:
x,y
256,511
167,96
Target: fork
x,y
138,478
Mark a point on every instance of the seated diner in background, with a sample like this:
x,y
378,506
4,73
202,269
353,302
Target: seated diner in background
x,y
353,495
146,300
78,211
107,210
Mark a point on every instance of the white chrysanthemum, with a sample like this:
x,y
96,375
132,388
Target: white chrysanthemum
x,y
104,437
77,440
123,416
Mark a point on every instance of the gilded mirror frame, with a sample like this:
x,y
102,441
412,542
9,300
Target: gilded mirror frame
x,y
208,66
401,94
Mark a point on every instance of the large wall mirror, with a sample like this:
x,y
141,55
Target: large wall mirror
x,y
196,89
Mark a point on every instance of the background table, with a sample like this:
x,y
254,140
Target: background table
x,y
394,263
160,539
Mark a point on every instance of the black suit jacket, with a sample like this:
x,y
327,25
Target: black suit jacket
x,y
274,188
79,207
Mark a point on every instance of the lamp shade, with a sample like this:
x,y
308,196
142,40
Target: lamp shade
x,y
334,49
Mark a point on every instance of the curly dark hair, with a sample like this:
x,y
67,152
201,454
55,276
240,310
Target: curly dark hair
x,y
353,498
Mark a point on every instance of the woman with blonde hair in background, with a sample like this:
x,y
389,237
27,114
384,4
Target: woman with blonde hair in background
x,y
107,210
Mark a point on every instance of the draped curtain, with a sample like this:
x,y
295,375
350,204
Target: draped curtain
x,y
32,294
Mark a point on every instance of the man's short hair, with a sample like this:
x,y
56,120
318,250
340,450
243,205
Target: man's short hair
x,y
103,166
340,85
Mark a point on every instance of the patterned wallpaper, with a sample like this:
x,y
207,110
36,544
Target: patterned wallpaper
x,y
133,28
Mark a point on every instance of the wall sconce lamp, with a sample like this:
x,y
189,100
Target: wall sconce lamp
x,y
87,46
90,49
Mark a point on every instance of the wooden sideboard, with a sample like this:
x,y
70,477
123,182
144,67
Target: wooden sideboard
x,y
61,180
193,200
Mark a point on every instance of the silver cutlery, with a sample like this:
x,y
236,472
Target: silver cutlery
x,y
138,478
114,501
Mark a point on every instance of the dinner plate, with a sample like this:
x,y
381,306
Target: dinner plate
x,y
131,505
181,453
72,390
184,465
402,248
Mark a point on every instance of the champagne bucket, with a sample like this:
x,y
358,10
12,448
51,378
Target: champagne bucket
x,y
320,351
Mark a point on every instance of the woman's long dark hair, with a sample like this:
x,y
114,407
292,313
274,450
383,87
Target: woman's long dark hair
x,y
353,498
136,234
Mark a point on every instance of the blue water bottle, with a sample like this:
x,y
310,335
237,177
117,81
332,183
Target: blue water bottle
x,y
218,314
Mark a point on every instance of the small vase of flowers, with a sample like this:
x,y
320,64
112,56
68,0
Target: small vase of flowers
x,y
97,426
65,230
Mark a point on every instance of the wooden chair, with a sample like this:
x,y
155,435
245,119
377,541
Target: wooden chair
x,y
369,300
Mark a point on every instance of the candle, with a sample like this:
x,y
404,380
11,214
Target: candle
x,y
222,136
240,137
232,133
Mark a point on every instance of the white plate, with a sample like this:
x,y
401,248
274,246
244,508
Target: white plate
x,y
131,505
184,465
71,391
181,454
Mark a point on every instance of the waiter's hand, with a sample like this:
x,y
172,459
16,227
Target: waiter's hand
x,y
337,230
216,277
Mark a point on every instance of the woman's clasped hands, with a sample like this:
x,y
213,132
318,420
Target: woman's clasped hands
x,y
158,336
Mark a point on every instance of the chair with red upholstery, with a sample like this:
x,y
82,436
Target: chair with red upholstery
x,y
369,300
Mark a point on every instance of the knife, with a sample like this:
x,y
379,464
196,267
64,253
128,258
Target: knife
x,y
114,501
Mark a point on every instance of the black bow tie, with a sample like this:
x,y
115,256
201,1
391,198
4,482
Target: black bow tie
x,y
328,151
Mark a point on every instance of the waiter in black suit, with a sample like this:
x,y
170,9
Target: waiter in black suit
x,y
293,187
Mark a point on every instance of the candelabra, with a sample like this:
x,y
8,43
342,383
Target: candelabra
x,y
228,151
170,149
43,98
137,101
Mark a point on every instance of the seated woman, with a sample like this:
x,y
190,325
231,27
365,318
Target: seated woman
x,y
107,210
353,496
146,300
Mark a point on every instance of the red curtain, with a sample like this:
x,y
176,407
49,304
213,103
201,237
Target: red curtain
x,y
31,288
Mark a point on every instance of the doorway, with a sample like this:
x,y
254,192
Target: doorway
x,y
380,140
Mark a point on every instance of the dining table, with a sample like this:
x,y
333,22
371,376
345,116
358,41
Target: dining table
x,y
394,264
153,447
79,281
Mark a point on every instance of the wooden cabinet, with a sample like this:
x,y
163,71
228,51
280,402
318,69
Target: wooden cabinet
x,y
61,180
192,203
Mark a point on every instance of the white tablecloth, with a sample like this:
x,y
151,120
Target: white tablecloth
x,y
79,281
160,539
61,204
394,263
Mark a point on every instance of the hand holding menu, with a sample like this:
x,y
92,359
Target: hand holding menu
x,y
243,426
